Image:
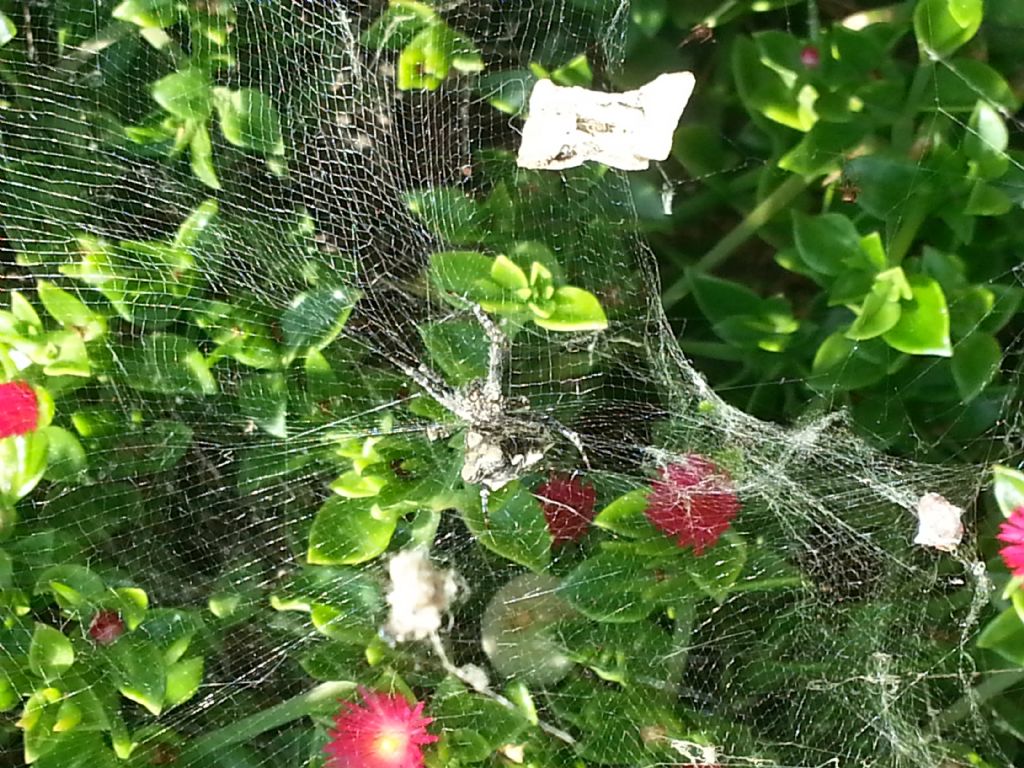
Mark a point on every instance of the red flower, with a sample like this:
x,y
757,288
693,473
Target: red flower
x,y
1012,533
693,502
384,733
568,507
106,627
19,408
810,57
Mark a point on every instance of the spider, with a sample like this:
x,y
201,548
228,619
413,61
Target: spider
x,y
504,437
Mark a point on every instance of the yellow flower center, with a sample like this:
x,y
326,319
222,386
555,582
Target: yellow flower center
x,y
390,744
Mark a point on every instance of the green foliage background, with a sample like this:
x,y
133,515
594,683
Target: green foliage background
x,y
224,460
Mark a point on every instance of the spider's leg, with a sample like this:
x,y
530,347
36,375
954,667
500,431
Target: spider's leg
x,y
496,354
485,494
432,384
574,437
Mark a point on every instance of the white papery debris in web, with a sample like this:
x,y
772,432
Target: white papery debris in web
x,y
420,595
568,126
938,523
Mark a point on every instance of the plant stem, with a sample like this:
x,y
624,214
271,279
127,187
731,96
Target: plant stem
x,y
323,698
903,128
906,233
747,228
682,637
999,681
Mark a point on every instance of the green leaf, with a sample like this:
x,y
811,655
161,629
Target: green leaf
x,y
459,271
263,398
843,364
514,527
80,749
137,670
575,310
7,29
1005,635
353,485
986,140
507,91
626,515
615,585
147,14
958,84
65,459
74,586
976,361
453,706
715,572
314,319
50,653
464,746
170,365
397,26
881,309
248,119
508,274
349,531
459,348
22,464
1009,489
426,60
622,653
201,156
191,230
942,26
156,447
145,281
171,631
70,312
721,299
185,94
923,327
517,630
823,148
183,679
828,243
449,213
764,90
987,200
885,183
334,661
69,715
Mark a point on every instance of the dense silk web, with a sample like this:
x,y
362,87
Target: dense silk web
x,y
813,632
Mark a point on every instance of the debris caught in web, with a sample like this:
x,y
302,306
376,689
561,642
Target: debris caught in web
x,y
568,126
420,595
939,525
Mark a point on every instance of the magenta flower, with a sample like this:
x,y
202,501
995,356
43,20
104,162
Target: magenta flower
x,y
106,627
384,732
810,57
19,408
568,507
1011,532
693,502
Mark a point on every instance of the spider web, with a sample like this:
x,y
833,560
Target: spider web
x,y
819,634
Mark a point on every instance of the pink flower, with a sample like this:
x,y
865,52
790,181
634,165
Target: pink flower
x,y
106,627
568,507
385,732
810,57
1012,533
692,502
19,408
